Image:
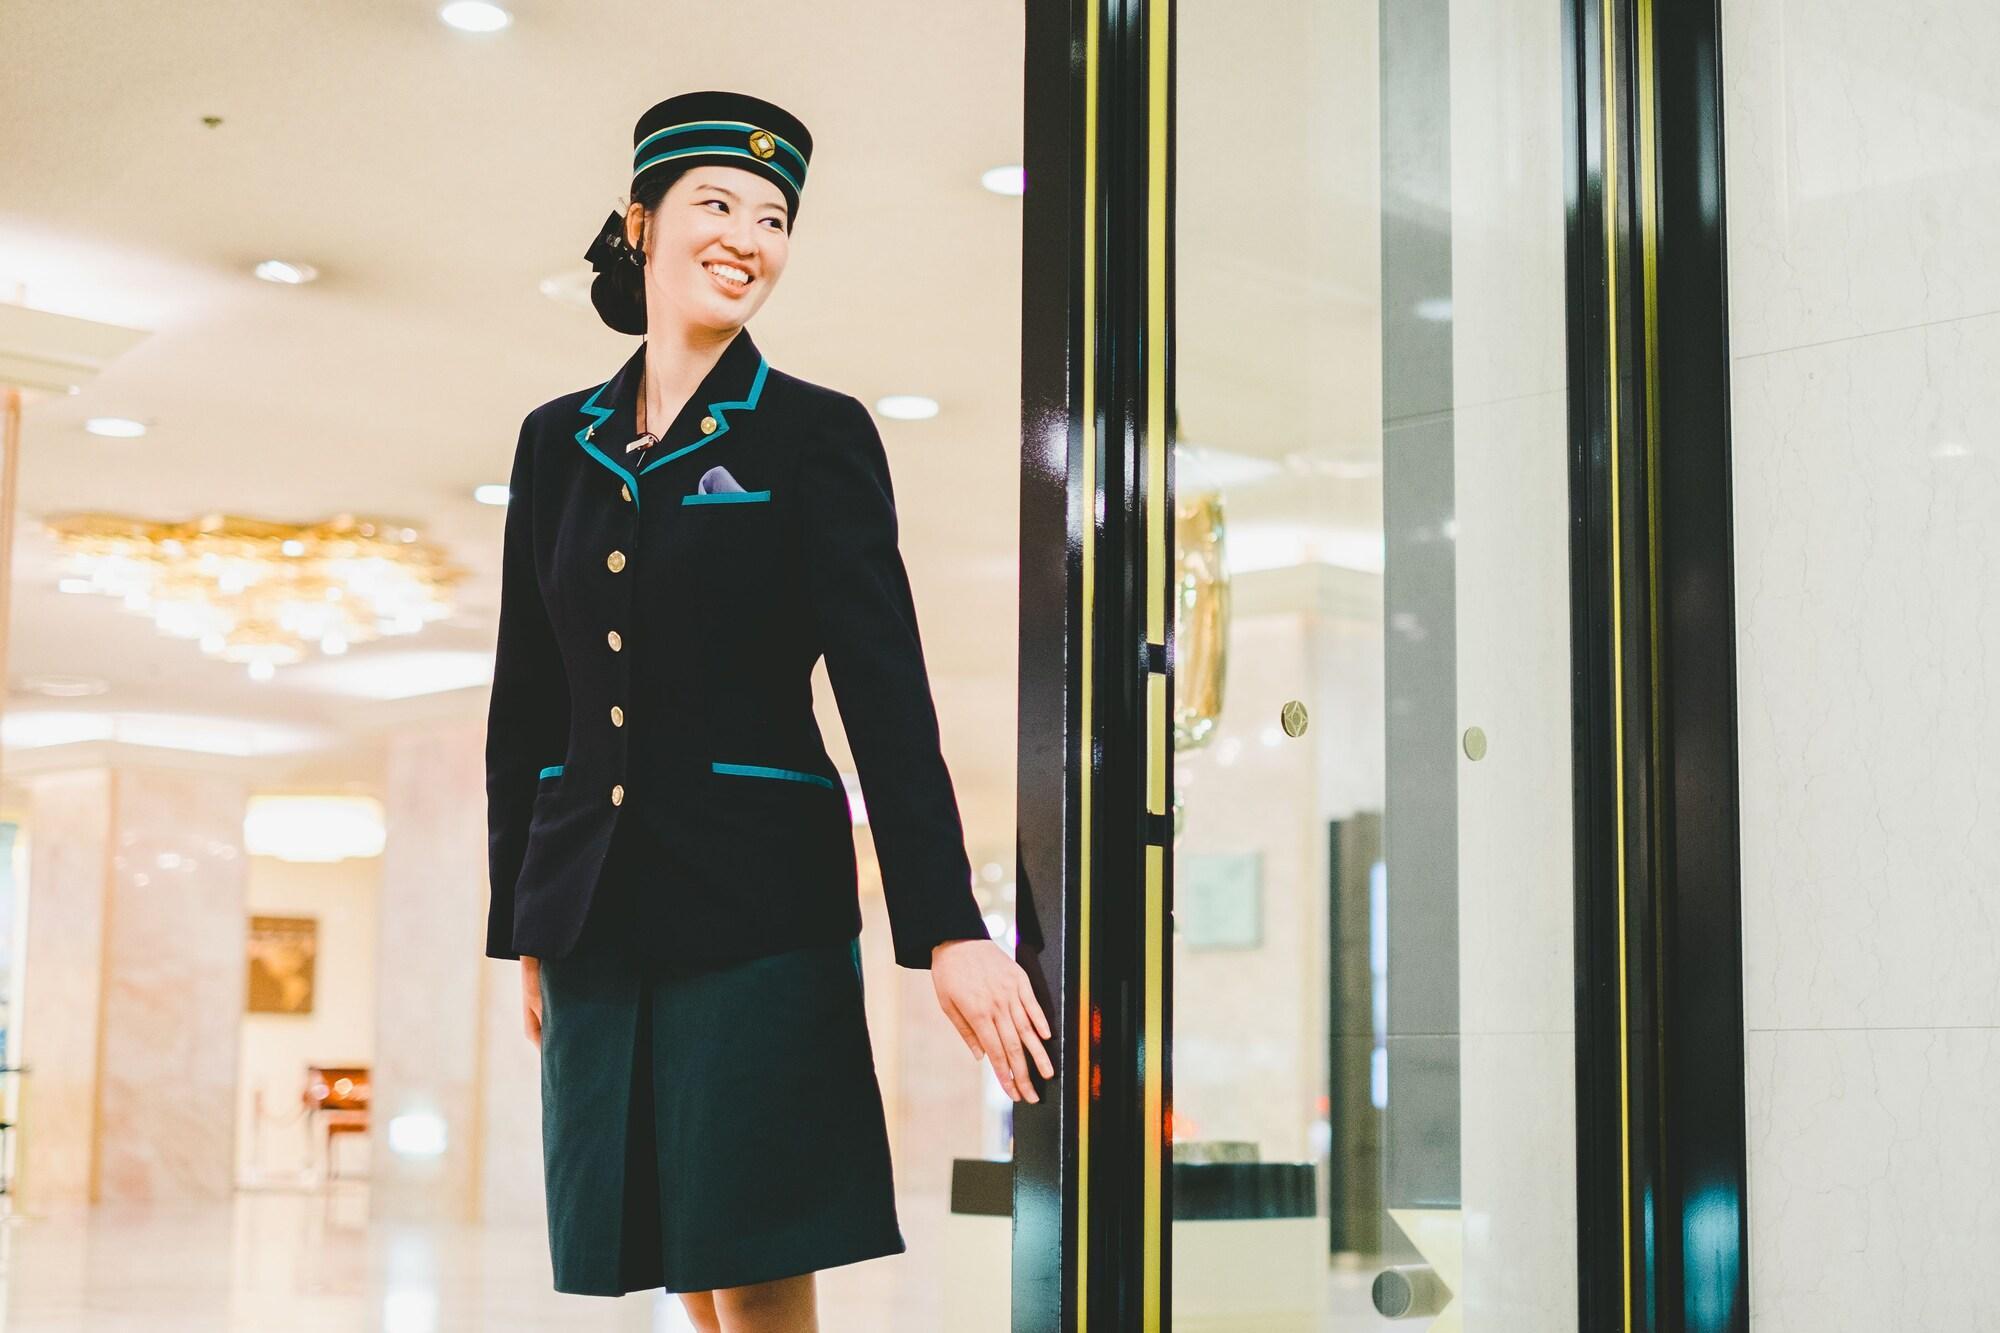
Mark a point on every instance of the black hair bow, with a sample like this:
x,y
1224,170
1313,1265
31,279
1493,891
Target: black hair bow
x,y
610,248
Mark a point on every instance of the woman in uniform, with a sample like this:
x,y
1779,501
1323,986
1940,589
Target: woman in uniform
x,y
671,848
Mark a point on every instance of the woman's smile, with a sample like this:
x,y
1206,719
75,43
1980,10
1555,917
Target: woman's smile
x,y
728,277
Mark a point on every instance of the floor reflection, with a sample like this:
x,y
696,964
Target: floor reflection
x,y
313,1262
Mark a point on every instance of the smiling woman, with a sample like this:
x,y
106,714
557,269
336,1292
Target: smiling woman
x,y
671,848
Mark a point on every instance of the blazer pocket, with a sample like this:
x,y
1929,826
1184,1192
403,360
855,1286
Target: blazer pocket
x,y
552,771
726,497
762,771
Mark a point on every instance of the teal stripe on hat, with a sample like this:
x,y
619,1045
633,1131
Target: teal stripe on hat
x,y
797,182
744,126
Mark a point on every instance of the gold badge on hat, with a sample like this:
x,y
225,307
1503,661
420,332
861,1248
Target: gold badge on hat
x,y
762,144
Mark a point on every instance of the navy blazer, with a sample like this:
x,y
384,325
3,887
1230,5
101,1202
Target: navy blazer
x,y
655,659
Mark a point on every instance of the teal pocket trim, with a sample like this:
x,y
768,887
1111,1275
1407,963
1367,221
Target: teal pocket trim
x,y
552,771
759,771
725,497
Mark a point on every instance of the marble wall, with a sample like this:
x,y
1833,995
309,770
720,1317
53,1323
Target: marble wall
x,y
1863,177
62,984
132,985
437,996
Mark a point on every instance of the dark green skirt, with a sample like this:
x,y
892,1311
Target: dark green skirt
x,y
710,1128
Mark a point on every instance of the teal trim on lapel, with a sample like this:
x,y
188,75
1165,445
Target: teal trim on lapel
x,y
759,771
602,415
725,497
720,411
553,770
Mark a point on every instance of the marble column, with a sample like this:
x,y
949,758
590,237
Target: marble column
x,y
430,978
132,985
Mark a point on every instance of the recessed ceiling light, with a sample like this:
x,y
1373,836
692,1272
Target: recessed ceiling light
x,y
279,270
475,16
571,287
1008,180
115,428
492,493
907,407
66,687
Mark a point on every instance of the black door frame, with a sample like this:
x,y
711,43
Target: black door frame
x,y
1661,1173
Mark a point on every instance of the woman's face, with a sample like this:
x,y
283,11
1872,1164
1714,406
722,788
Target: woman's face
x,y
714,247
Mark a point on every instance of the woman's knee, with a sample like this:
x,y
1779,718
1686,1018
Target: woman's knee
x,y
785,1305
700,1307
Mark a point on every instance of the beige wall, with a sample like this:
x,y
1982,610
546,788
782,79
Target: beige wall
x,y
340,1030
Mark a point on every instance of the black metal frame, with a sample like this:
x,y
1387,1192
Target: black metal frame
x,y
1091,1185
1661,1170
1048,1194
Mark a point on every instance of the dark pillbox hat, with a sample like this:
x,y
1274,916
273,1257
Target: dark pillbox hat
x,y
723,129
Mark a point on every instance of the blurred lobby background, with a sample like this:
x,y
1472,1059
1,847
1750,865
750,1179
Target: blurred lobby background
x,y
271,1082
307,265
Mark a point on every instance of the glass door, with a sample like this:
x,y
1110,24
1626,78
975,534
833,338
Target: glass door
x,y
1372,1097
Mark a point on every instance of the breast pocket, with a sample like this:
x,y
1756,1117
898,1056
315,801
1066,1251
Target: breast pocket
x,y
727,550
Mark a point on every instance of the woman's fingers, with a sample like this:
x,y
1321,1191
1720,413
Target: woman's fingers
x,y
965,1032
996,1055
1012,1031
531,999
1010,1058
1027,991
1033,1042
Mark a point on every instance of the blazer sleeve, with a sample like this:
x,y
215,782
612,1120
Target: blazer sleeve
x,y
866,621
527,718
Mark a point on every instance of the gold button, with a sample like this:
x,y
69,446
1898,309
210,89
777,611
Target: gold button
x,y
624,491
617,793
611,637
708,425
617,716
616,560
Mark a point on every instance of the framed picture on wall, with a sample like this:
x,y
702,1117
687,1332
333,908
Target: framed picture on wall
x,y
282,950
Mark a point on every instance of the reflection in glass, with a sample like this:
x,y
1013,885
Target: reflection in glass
x,y
1372,1050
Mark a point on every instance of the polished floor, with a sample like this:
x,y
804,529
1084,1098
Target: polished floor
x,y
312,1262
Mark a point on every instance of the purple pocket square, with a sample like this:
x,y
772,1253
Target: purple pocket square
x,y
716,479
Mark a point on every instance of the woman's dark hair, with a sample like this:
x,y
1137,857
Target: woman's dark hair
x,y
619,292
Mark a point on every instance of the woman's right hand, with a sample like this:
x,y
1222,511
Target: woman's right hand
x,y
531,998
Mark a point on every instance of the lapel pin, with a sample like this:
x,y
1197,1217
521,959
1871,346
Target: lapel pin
x,y
644,440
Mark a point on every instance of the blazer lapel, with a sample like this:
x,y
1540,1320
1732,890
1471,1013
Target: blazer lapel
x,y
609,416
608,419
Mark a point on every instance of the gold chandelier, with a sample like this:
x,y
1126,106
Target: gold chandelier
x,y
260,593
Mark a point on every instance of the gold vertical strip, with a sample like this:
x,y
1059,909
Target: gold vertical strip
x,y
1159,439
1155,1091
1085,1004
1156,743
1610,204
1158,432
